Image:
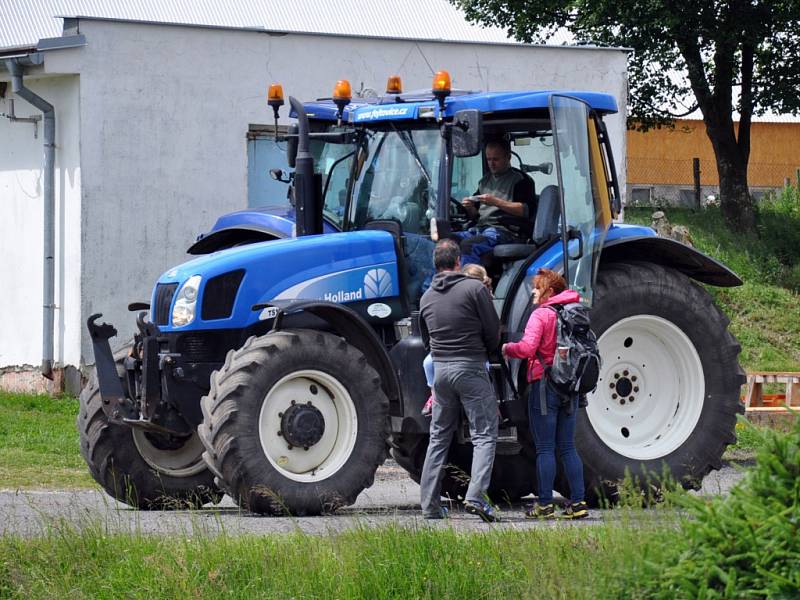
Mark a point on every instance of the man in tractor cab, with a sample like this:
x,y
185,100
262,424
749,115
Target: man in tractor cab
x,y
504,206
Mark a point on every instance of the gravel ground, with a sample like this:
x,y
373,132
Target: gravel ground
x,y
393,499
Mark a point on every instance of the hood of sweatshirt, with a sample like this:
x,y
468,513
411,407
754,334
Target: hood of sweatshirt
x,y
565,297
446,279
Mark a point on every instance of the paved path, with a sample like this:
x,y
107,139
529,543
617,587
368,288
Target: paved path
x,y
393,499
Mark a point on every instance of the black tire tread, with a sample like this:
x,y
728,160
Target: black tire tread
x,y
664,284
115,464
231,391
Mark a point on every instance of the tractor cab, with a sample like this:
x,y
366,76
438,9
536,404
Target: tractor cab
x,y
406,162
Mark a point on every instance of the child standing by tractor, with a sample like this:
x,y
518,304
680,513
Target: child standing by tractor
x,y
476,272
553,427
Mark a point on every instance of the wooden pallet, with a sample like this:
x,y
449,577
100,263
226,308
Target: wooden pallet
x,y
756,401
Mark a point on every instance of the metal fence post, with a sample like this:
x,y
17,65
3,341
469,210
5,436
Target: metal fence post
x,y
696,171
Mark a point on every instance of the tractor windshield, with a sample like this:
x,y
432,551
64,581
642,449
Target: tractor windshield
x,y
389,173
396,177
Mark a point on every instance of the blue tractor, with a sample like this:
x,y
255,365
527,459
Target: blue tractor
x,y
284,364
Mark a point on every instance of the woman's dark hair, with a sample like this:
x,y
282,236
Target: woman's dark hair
x,y
446,255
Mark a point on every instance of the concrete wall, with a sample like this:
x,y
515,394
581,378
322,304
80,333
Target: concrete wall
x,y
21,220
164,113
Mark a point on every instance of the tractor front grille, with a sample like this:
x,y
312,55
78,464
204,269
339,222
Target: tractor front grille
x,y
219,295
206,346
164,294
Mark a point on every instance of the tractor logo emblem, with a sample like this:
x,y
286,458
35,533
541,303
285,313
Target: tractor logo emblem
x,y
377,283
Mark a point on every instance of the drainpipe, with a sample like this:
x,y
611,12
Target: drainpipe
x,y
16,68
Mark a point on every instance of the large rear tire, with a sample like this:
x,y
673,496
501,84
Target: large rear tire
x,y
295,423
668,393
143,470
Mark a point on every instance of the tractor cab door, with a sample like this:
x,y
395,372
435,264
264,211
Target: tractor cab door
x,y
585,210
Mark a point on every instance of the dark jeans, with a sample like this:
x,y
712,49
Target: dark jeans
x,y
475,242
555,430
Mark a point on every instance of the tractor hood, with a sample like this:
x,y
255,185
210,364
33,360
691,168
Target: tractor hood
x,y
220,289
276,222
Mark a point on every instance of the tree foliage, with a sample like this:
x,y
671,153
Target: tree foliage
x,y
718,56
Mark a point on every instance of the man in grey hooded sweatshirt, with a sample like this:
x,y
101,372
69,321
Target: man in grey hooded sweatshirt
x,y
459,323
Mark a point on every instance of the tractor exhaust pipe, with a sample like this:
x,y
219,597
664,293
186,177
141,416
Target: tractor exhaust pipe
x,y
307,185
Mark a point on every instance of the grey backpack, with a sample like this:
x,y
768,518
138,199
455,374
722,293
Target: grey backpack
x,y
576,362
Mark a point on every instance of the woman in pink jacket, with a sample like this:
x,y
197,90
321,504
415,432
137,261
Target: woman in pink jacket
x,y
555,429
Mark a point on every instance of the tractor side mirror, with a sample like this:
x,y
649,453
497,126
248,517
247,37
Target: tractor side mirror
x,y
467,132
291,145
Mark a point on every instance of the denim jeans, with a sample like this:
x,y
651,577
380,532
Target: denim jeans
x,y
551,432
474,242
457,384
427,366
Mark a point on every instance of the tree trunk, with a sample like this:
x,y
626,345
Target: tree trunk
x,y
735,201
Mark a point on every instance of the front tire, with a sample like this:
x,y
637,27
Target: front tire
x,y
143,470
295,422
668,392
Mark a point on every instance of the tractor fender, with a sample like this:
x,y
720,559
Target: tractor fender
x,y
248,226
345,322
234,236
670,253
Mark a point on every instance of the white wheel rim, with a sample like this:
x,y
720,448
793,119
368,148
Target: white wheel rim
x,y
650,360
327,456
182,462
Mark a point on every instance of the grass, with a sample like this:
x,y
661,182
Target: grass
x,y
743,545
391,562
765,311
39,443
749,440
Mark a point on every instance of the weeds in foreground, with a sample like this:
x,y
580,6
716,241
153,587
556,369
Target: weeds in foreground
x,y
393,562
744,545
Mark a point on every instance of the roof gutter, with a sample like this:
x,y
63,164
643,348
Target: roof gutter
x,y
16,66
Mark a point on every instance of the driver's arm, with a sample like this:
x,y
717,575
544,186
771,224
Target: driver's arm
x,y
469,205
523,204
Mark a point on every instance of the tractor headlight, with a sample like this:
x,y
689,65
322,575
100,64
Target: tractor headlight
x,y
186,302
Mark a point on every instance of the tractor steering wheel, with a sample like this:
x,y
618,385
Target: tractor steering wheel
x,y
459,218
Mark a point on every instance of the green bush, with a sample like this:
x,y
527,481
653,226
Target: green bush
x,y
746,545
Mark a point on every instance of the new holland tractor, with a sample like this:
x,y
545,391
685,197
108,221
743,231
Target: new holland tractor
x,y
283,364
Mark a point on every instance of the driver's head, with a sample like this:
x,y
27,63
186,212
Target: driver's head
x,y
498,156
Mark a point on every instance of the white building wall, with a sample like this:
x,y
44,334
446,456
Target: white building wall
x,y
164,113
21,219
